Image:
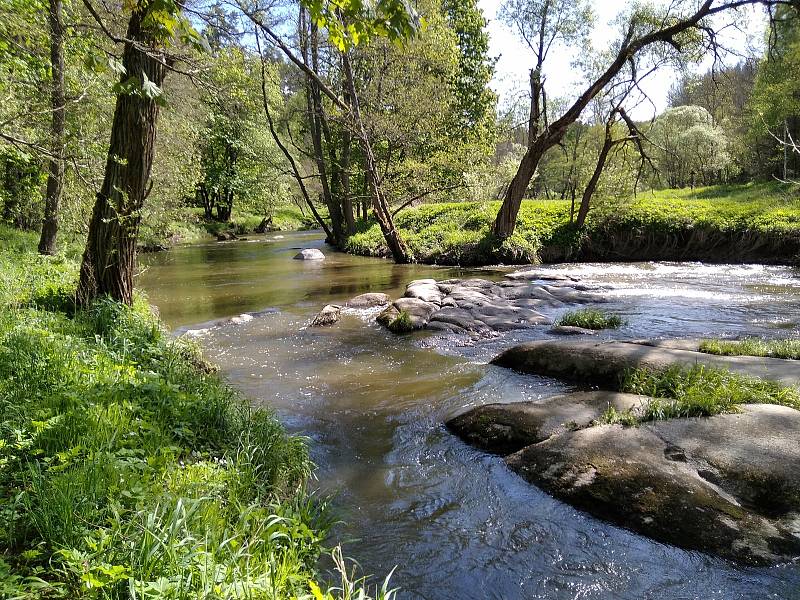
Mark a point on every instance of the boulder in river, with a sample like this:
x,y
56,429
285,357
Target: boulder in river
x,y
506,428
571,330
726,485
603,362
327,316
482,308
368,300
309,254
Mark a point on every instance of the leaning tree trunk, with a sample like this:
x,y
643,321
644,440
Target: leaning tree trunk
x,y
507,216
55,176
109,260
586,200
397,247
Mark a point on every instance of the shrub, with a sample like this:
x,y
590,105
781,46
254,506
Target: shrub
x,y
401,323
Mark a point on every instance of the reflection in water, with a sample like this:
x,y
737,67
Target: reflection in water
x,y
456,521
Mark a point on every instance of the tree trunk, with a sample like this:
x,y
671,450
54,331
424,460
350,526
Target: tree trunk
x,y
347,200
586,200
379,205
55,176
507,215
109,259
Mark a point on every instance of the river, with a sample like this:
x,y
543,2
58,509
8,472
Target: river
x,y
455,521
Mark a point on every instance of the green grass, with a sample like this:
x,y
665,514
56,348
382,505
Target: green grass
x,y
590,318
401,323
700,392
762,219
191,227
128,469
789,349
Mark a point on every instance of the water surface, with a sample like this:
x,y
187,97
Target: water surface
x,y
454,520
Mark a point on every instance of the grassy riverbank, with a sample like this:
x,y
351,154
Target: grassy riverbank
x,y
128,469
192,227
754,222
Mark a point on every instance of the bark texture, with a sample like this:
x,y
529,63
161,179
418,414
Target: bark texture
x,y
55,176
109,260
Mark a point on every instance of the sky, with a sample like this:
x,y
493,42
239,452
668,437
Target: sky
x,y
515,59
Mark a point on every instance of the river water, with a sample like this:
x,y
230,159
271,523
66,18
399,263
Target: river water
x,y
454,521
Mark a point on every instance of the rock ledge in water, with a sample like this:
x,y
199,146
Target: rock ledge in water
x,y
309,254
482,308
604,362
726,485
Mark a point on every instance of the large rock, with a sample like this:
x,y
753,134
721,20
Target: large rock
x,y
605,362
368,300
482,308
309,254
506,428
327,316
644,480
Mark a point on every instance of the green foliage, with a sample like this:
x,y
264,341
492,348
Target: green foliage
x,y
590,318
350,22
612,416
401,323
788,349
691,149
129,469
700,391
459,232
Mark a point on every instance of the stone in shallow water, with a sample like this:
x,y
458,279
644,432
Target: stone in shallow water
x,y
638,479
327,316
310,254
368,300
571,330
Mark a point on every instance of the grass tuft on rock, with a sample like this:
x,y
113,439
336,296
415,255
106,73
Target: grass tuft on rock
x,y
590,318
700,391
401,323
787,349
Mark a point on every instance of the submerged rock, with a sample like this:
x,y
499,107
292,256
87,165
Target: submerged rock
x,y
571,330
310,254
327,316
604,362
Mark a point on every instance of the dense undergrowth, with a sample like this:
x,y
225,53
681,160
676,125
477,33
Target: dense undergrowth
x,y
758,222
788,349
128,469
698,391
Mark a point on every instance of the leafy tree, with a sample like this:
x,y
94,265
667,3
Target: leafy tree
x,y
681,26
691,149
109,259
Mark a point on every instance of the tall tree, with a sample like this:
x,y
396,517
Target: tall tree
x,y
682,24
55,176
109,260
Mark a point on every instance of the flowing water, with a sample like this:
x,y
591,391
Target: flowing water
x,y
455,521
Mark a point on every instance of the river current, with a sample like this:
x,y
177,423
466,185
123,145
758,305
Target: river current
x,y
454,521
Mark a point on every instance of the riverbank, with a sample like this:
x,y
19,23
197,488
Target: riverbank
x,y
757,223
128,465
193,227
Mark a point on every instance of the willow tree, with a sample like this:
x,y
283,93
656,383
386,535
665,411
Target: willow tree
x,y
682,25
109,259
